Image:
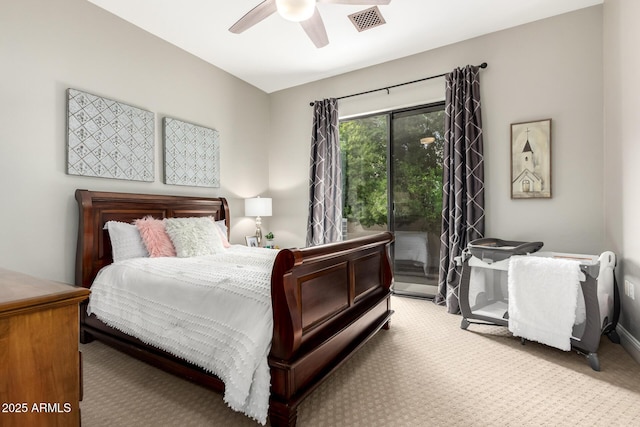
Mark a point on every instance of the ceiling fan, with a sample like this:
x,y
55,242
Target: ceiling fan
x,y
303,11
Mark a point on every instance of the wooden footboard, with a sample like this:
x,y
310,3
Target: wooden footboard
x,y
327,300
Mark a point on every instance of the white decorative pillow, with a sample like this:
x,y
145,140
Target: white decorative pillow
x,y
222,225
125,241
194,236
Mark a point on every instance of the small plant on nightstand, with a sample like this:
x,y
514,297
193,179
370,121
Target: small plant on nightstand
x,y
269,240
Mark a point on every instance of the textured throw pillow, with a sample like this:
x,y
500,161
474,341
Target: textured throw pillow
x,y
194,236
222,226
125,241
155,237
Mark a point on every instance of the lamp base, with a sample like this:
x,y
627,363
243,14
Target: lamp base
x,y
259,230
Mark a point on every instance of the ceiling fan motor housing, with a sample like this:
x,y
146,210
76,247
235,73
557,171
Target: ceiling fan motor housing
x,y
296,10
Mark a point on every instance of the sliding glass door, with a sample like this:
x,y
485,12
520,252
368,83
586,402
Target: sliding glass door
x,y
417,137
393,181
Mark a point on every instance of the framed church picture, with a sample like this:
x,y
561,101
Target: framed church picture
x,y
531,160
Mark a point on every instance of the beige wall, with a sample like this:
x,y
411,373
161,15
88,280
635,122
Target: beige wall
x,y
48,46
547,69
622,155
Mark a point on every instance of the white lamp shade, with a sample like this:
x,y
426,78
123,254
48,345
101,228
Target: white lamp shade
x,y
296,10
257,206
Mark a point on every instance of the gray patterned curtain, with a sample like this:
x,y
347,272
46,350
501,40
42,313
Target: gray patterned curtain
x,y
325,176
463,179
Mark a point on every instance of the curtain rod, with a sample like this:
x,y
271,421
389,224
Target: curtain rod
x,y
483,65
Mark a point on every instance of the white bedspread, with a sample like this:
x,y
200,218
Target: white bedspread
x,y
214,311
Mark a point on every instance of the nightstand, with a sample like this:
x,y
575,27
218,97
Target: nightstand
x,y
40,372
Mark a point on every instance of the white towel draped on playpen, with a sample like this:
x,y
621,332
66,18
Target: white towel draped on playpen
x,y
543,299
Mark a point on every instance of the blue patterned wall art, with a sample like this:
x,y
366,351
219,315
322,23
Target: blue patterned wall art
x,y
108,139
192,154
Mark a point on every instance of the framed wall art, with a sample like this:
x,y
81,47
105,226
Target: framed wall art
x,y
531,159
192,154
108,139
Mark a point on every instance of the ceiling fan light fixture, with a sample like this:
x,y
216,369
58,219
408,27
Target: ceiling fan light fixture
x,y
296,10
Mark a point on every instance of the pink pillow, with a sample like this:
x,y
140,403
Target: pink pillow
x,y
155,237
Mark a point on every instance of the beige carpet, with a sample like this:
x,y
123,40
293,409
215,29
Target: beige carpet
x,y
424,371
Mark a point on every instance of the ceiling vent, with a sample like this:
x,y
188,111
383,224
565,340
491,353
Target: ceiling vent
x,y
367,19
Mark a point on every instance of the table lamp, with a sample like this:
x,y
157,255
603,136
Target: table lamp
x,y
258,207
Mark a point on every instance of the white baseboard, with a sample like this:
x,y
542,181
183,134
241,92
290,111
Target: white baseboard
x,y
629,343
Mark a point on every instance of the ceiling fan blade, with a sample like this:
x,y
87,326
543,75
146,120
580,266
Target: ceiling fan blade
x,y
365,2
314,27
255,15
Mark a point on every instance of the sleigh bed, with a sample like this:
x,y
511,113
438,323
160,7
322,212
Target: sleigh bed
x,y
327,301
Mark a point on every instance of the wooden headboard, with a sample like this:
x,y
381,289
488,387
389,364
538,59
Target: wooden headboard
x,y
96,208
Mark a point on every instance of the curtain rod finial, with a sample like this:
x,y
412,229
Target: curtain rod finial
x,y
483,65
311,104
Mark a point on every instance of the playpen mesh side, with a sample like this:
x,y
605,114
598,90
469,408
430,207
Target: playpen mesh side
x,y
488,292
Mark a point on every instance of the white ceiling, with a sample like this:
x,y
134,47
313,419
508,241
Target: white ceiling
x,y
276,54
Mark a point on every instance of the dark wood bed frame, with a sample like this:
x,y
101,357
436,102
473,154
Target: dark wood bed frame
x,y
328,300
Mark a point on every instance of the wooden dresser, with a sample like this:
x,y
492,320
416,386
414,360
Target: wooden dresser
x,y
40,373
